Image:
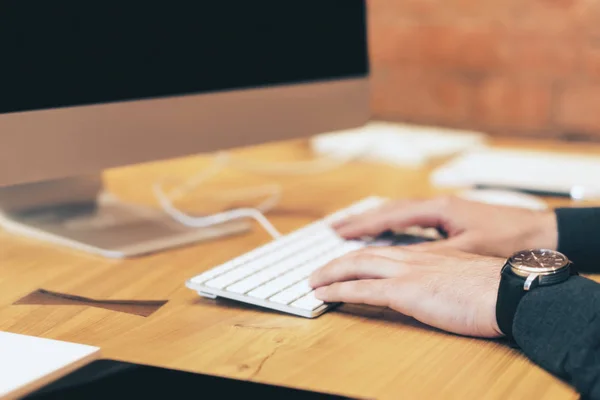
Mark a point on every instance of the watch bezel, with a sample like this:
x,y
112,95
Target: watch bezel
x,y
525,271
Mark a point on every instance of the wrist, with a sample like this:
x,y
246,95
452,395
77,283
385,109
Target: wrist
x,y
489,300
545,231
494,321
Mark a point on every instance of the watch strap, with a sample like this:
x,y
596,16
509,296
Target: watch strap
x,y
510,293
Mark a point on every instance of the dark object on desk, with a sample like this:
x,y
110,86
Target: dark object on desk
x,y
110,379
143,308
390,238
533,192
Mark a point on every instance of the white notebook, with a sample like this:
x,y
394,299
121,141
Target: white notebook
x,y
27,362
565,174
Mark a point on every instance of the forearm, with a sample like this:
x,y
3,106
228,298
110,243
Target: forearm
x,y
579,237
558,327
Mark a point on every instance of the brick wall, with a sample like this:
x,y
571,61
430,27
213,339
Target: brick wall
x,y
515,67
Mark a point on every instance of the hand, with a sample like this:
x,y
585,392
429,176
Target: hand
x,y
470,226
448,289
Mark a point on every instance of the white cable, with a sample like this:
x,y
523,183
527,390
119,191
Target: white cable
x,y
214,219
216,166
224,159
274,192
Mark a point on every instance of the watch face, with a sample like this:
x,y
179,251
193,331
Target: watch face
x,y
538,261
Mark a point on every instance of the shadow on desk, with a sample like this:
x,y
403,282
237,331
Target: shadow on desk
x,y
350,310
391,316
362,312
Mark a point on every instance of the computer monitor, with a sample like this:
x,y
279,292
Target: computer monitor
x,y
86,86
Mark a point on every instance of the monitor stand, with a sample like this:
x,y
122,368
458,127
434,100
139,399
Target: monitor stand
x,y
78,213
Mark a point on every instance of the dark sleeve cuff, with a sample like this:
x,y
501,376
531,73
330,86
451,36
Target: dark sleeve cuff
x,y
558,327
579,237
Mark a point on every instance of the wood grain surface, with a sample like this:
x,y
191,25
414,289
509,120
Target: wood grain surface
x,y
357,351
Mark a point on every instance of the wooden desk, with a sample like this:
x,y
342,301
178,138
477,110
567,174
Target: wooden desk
x,y
355,351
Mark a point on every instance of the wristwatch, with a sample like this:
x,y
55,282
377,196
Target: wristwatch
x,y
524,271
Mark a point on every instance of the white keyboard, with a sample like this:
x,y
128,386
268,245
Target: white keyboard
x,y
276,275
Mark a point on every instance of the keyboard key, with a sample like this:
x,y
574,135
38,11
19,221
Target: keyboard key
x,y
258,279
277,285
208,275
292,293
265,291
308,302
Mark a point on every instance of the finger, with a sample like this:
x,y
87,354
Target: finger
x,y
424,214
370,292
358,265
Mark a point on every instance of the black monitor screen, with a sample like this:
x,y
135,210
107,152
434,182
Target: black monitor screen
x,y
111,379
64,53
